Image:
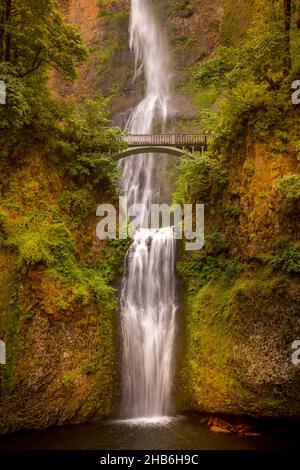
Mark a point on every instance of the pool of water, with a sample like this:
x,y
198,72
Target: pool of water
x,y
185,433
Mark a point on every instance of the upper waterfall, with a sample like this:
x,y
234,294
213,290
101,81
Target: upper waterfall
x,y
150,47
152,59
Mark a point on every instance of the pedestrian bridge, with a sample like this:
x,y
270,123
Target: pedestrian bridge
x,y
171,144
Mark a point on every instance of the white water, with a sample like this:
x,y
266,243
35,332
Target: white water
x,y
148,303
150,47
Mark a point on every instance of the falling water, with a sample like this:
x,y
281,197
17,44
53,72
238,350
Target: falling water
x,y
148,304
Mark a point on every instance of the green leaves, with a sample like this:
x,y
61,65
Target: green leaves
x,y
289,188
95,169
261,59
198,179
40,39
251,82
13,114
289,261
218,70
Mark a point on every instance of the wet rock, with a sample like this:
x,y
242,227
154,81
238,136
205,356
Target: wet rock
x,y
219,425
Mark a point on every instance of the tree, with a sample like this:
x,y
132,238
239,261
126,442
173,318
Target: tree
x,y
33,36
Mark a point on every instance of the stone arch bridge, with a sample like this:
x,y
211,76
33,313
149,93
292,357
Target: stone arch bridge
x,y
170,144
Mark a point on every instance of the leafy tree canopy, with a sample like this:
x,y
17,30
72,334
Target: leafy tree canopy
x,y
33,36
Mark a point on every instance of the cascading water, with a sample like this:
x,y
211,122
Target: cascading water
x,y
148,303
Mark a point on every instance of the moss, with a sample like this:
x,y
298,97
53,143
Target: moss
x,y
288,261
180,8
232,211
220,317
57,294
113,62
289,188
201,97
236,21
209,350
69,378
9,320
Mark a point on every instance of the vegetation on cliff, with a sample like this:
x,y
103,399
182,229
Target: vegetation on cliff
x,y
57,292
241,293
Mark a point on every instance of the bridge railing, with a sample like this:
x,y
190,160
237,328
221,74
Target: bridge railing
x,y
188,140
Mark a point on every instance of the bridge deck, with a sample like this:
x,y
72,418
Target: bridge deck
x,y
173,140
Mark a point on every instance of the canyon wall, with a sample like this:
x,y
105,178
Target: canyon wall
x,y
236,329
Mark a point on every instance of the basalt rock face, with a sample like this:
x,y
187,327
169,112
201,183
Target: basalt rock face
x,y
241,305
58,370
60,342
194,29
239,327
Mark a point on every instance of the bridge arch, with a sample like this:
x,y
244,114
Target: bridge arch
x,y
174,151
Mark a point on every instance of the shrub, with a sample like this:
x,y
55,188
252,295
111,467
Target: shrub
x,y
288,261
199,180
69,378
289,188
232,211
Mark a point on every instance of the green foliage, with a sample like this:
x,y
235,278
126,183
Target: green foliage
x,y
215,243
30,115
247,106
281,243
113,65
34,40
40,241
74,137
69,378
35,37
198,179
96,169
115,251
181,8
289,261
85,141
297,149
218,71
250,78
55,168
91,365
112,13
235,22
260,59
218,348
199,271
210,264
232,211
289,188
12,115
75,203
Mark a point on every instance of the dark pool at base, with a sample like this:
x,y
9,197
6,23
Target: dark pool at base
x,y
178,434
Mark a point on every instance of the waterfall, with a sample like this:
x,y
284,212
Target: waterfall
x,y
148,305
